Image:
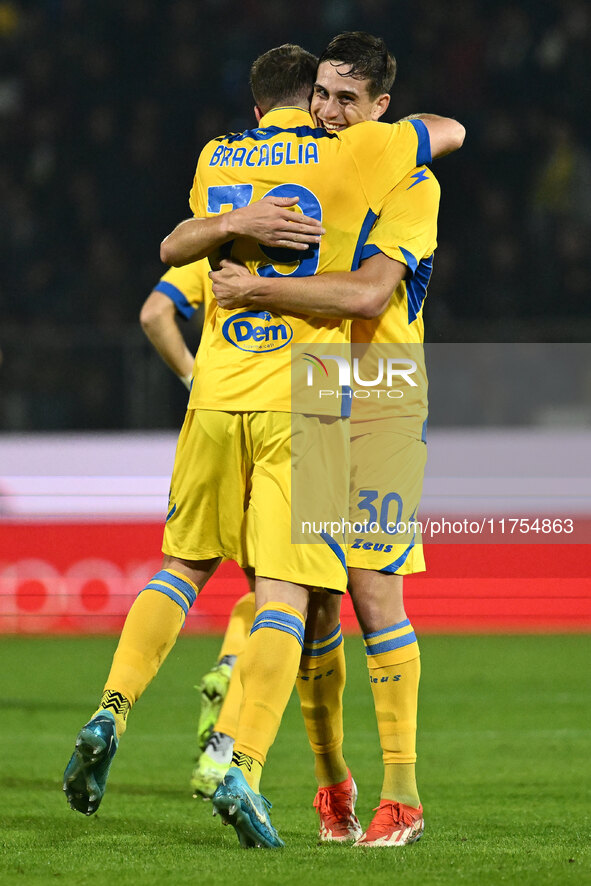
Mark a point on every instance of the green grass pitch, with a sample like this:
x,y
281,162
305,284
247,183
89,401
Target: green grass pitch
x,y
504,772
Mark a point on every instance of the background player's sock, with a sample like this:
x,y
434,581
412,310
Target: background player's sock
x,y
394,672
269,666
149,633
239,625
220,747
320,684
227,721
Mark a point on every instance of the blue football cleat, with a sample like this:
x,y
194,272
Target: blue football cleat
x,y
247,812
85,778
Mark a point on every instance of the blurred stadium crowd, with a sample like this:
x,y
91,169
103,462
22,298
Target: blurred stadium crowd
x,y
104,107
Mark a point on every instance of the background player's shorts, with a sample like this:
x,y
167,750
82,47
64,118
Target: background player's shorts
x,y
233,476
387,470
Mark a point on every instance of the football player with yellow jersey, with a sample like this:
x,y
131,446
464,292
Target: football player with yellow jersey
x,y
388,451
245,450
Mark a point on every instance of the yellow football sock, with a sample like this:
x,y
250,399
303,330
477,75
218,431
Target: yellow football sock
x,y
227,722
269,667
149,633
394,673
240,623
320,684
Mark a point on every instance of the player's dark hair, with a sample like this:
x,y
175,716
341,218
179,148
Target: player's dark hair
x,y
283,76
368,59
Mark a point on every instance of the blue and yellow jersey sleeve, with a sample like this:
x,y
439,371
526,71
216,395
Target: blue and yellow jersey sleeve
x,y
407,232
187,287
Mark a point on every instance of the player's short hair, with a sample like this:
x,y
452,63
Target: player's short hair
x,y
368,58
283,76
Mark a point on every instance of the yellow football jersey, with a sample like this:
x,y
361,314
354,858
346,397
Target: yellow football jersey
x,y
188,287
406,231
342,179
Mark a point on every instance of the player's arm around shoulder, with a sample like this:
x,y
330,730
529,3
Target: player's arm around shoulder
x,y
446,135
357,295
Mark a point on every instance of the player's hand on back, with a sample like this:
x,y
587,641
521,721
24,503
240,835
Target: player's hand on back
x,y
273,222
232,285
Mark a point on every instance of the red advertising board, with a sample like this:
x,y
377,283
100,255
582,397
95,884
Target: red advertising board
x,y
81,577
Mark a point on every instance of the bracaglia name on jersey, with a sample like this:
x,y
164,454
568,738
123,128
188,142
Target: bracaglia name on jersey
x,y
276,154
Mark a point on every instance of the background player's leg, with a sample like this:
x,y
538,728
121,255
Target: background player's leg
x,y
213,763
240,621
215,760
214,685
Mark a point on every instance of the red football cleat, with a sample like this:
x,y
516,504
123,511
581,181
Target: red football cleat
x,y
336,808
394,824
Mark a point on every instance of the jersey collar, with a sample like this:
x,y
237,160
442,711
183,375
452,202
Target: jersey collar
x,y
285,118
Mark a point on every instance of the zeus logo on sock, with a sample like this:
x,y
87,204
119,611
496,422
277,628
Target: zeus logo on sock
x,y
316,677
393,679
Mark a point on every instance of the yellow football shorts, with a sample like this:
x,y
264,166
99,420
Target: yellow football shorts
x,y
232,479
387,470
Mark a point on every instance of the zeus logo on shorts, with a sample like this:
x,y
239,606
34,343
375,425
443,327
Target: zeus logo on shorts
x,y
257,331
371,546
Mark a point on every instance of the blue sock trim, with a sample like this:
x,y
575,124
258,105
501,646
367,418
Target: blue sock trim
x,y
280,621
168,592
186,595
405,636
389,645
380,633
332,641
315,653
332,634
179,583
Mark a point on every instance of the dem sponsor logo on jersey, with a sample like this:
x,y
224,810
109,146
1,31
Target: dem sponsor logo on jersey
x,y
257,331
